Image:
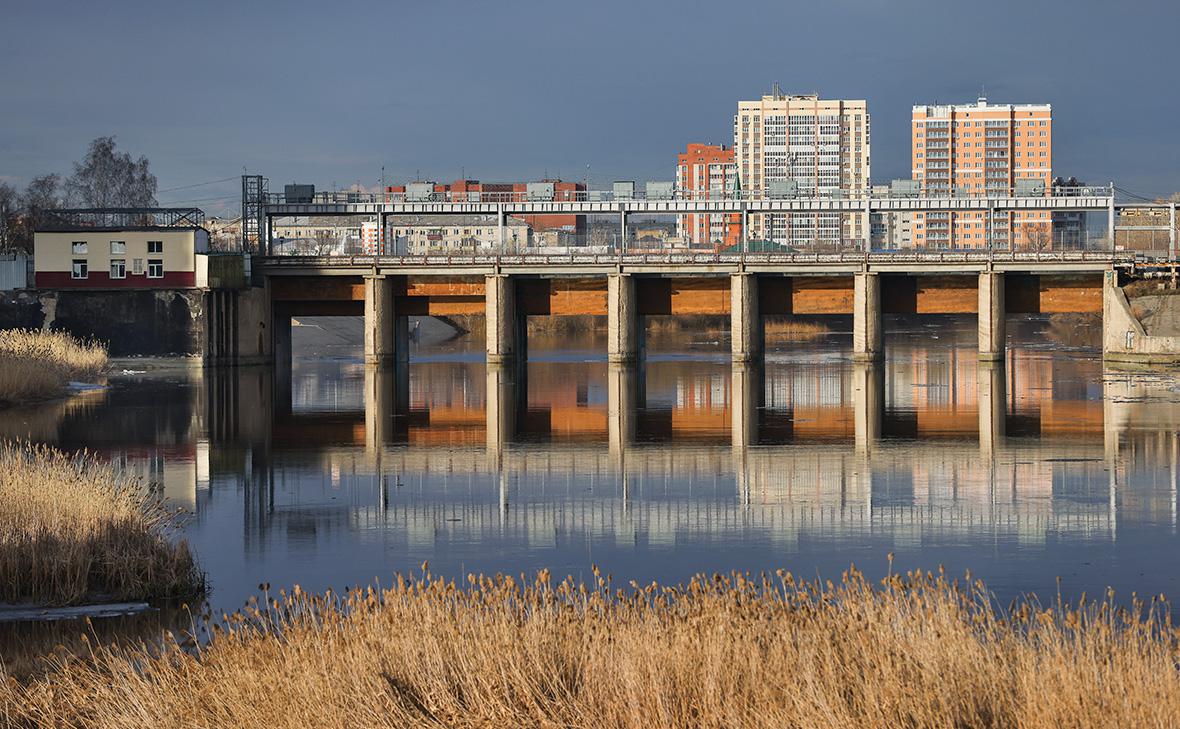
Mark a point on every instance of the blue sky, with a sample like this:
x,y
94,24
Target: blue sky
x,y
328,92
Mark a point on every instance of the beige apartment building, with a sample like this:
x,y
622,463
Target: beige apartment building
x,y
979,150
801,145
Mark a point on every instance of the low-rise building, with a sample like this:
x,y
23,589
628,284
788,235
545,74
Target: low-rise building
x,y
421,235
120,248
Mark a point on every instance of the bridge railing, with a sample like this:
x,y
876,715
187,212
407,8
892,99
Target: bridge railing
x,y
449,196
694,258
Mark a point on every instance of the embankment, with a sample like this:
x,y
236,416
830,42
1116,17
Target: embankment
x,y
128,323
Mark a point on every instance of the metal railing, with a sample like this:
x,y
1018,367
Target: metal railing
x,y
373,198
696,258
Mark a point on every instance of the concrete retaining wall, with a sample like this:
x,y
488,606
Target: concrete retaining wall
x,y
162,322
1123,337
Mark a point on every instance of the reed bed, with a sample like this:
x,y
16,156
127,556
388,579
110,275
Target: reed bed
x,y
36,365
916,650
74,531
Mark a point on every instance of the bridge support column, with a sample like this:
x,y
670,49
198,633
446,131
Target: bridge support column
x,y
622,388
991,316
624,340
745,319
501,399
505,330
380,326
281,338
866,318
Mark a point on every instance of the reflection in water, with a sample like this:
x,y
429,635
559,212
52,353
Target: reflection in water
x,y
331,474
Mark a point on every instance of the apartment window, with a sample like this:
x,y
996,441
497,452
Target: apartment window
x,y
155,246
79,268
137,266
118,268
78,248
118,247
155,268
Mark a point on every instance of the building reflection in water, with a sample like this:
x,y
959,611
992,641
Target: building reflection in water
x,y
462,462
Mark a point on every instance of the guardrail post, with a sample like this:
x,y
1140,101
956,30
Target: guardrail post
x,y
622,228
1110,223
1172,231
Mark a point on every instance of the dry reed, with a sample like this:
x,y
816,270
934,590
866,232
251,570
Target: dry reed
x,y
916,650
36,365
72,531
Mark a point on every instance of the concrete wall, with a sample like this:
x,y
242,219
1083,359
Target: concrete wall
x,y
149,323
1123,336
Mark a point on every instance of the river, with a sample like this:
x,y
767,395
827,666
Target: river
x,y
328,475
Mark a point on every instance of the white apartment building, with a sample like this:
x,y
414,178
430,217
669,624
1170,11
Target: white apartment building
x,y
815,148
420,235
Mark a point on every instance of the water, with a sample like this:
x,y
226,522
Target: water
x,y
1046,467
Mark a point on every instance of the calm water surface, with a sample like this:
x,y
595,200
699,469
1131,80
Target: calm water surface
x,y
329,475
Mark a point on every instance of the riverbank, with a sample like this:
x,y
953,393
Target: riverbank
x,y
73,531
914,650
36,365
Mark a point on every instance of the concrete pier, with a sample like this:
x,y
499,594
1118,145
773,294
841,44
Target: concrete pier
x,y
867,339
379,408
624,335
991,316
380,342
281,338
745,317
505,331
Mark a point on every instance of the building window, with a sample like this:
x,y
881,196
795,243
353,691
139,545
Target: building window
x,y
155,246
118,268
137,266
79,268
78,248
118,247
155,268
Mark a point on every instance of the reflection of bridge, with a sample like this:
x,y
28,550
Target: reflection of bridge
x,y
993,483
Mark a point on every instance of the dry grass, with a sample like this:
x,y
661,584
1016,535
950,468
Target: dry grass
x,y
37,365
914,651
73,531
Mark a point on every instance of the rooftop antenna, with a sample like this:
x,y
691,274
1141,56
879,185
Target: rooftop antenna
x,y
982,94
775,91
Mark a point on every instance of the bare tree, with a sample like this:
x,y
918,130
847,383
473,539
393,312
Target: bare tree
x,y
9,213
1038,235
107,178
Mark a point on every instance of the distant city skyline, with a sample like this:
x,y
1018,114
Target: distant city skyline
x,y
517,91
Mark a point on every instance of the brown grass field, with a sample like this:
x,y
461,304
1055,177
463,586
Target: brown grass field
x,y
38,365
73,531
916,650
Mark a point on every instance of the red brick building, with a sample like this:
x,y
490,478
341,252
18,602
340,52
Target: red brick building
x,y
706,171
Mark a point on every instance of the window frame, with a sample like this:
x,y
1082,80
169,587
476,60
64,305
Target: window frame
x,y
79,264
122,263
122,250
155,262
79,248
159,247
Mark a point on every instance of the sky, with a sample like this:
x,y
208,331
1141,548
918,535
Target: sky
x,y
331,92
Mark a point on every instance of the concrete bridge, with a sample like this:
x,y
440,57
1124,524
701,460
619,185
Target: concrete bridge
x,y
628,288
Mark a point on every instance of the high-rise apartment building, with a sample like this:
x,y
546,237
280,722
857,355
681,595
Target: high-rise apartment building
x,y
806,146
707,171
983,149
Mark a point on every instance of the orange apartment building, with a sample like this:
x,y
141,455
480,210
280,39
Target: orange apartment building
x,y
976,150
706,171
